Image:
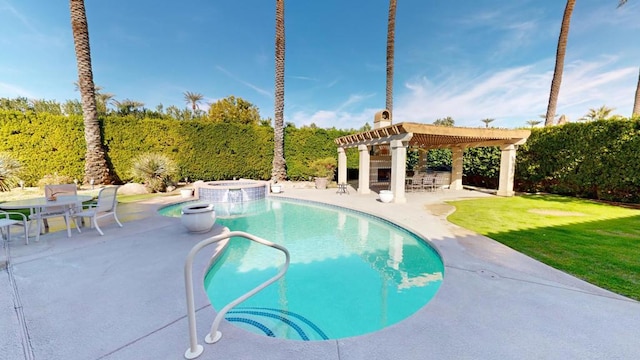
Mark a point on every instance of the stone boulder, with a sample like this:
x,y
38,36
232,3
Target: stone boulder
x,y
132,189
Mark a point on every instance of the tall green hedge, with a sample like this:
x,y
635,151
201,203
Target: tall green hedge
x,y
310,143
48,144
598,159
43,143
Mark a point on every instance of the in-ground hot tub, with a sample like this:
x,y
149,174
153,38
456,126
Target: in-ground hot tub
x,y
231,191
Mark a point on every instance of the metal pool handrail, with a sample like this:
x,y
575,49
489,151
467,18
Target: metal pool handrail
x,y
196,349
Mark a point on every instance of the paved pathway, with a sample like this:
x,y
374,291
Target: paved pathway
x,y
121,296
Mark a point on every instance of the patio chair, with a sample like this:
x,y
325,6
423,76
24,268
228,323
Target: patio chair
x,y
416,182
41,217
7,222
429,181
443,181
105,206
59,190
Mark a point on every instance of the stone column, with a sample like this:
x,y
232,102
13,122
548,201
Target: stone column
x,y
507,170
342,166
398,170
363,172
456,169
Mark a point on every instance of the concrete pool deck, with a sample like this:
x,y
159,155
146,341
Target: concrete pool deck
x,y
121,296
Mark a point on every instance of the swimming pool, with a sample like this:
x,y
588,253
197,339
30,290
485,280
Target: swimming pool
x,y
350,273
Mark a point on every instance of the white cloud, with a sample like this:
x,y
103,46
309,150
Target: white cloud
x,y
607,15
353,99
11,91
331,118
515,95
23,19
301,78
339,117
246,83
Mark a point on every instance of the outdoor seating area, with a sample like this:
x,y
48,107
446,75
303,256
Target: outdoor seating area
x,y
59,201
428,181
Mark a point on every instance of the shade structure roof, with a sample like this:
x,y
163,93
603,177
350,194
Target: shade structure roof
x,y
427,136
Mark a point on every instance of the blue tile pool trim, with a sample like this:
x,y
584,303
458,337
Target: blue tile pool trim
x,y
216,192
264,329
285,320
288,313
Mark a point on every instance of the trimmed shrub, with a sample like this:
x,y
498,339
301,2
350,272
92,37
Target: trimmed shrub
x,y
9,171
155,171
323,168
43,144
597,159
54,180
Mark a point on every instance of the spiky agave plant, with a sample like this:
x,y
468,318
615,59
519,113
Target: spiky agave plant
x,y
155,171
9,171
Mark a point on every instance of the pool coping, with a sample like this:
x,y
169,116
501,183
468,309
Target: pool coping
x,y
494,303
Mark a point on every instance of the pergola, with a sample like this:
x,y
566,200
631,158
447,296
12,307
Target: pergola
x,y
405,135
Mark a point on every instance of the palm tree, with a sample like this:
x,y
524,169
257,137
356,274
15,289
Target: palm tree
x,y
95,166
279,169
487,122
391,34
557,72
560,53
533,123
636,103
128,107
601,113
102,101
193,99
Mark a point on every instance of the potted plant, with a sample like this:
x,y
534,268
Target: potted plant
x,y
198,218
323,170
276,188
386,196
186,193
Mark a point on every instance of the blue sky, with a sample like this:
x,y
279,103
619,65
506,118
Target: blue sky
x,y
469,59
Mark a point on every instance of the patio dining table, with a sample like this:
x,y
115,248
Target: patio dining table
x,y
41,204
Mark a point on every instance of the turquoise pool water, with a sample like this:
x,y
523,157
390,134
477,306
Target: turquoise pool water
x,y
350,273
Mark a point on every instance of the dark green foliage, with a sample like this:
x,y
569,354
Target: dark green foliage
x,y
54,144
439,159
234,110
413,157
324,167
598,159
481,166
306,144
43,144
217,151
54,179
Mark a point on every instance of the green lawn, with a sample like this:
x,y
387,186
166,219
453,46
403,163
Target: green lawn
x,y
596,242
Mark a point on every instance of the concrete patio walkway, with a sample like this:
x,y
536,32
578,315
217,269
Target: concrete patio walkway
x,y
121,296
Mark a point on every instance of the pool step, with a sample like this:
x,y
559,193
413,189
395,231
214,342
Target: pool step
x,y
277,323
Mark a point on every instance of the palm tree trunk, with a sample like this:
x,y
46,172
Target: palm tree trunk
x,y
557,73
279,170
391,34
636,103
95,166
